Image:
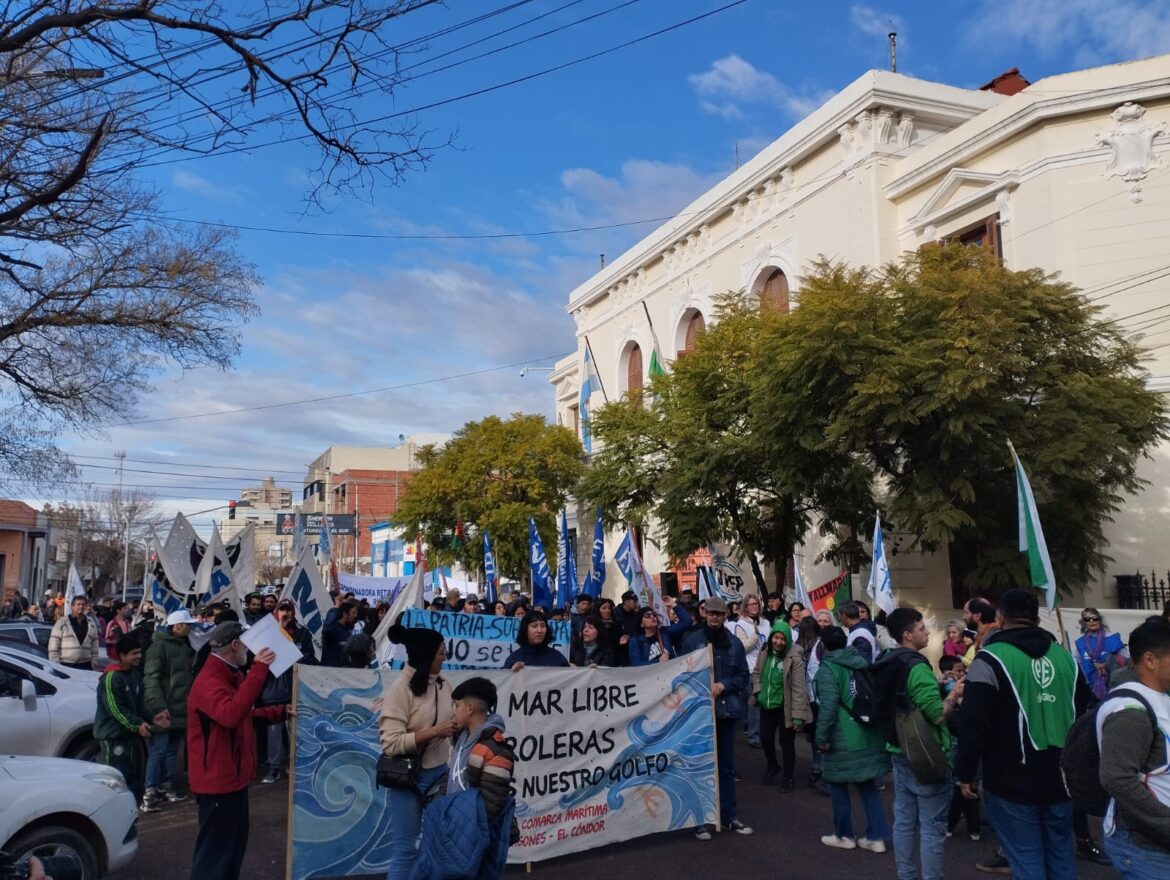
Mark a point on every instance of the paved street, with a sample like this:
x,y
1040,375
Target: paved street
x,y
786,843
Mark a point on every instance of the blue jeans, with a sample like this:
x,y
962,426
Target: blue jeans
x,y
1134,862
276,755
1037,840
875,817
406,807
725,758
753,724
160,759
922,808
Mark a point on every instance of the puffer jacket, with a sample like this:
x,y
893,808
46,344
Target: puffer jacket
x,y
169,671
458,841
857,753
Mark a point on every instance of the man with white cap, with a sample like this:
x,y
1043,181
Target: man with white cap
x,y
168,678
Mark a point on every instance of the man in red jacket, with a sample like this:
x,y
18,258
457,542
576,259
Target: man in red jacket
x,y
221,750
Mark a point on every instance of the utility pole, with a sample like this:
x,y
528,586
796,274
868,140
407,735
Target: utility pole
x,y
124,521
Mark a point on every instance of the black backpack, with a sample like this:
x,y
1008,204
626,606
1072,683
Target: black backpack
x,y
1080,761
874,689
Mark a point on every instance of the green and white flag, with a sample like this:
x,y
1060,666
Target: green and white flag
x,y
1032,535
656,369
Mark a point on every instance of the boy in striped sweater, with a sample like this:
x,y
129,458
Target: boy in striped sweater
x,y
480,756
122,724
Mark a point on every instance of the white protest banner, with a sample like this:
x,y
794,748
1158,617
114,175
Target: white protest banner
x,y
213,578
182,551
308,592
268,633
241,554
603,756
372,588
475,641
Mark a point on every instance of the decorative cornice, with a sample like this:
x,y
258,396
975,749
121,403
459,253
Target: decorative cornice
x,y
1018,113
897,95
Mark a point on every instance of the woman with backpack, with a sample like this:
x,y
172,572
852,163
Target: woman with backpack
x,y
852,753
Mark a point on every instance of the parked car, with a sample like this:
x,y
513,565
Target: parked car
x,y
46,709
36,633
57,807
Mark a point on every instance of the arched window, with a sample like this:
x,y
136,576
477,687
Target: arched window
x,y
775,292
694,326
634,369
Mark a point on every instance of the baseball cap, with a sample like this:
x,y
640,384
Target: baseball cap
x,y
181,616
286,603
225,633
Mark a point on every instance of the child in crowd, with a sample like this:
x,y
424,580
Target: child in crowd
x,y
122,726
953,676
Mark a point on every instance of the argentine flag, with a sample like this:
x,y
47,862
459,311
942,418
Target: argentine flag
x,y
589,381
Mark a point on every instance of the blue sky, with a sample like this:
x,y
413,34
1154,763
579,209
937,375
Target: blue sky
x,y
633,135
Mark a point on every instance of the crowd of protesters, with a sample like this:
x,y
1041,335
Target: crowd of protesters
x,y
979,739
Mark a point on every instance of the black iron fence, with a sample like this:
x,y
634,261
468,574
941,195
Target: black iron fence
x,y
1143,592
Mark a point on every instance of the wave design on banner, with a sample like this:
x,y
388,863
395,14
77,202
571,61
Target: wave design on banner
x,y
341,820
337,749
687,735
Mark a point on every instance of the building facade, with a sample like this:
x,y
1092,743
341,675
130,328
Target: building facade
x,y
24,546
1068,174
366,482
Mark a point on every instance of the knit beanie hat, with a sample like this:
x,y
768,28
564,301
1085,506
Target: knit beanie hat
x,y
421,644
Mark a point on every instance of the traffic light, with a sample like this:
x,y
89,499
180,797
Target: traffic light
x,y
232,509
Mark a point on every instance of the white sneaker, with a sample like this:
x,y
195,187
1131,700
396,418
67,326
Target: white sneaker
x,y
839,842
876,846
703,832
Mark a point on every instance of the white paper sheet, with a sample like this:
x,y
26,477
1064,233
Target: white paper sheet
x,y
266,633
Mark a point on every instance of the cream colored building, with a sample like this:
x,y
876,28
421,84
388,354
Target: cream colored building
x,y
1070,175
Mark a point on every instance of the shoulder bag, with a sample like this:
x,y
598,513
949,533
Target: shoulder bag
x,y
402,771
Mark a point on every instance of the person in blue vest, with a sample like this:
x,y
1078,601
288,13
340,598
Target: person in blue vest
x,y
1022,694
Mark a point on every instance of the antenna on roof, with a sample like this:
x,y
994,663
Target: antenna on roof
x,y
603,261
893,48
737,155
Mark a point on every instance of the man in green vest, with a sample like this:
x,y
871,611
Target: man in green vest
x,y
1023,691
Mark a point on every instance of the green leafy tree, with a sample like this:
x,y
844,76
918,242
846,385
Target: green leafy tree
x,y
690,460
493,475
922,370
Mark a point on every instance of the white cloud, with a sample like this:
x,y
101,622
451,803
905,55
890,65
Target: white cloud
x,y
875,23
733,83
201,186
1094,31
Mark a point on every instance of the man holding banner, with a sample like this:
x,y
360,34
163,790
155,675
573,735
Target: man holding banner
x,y
730,691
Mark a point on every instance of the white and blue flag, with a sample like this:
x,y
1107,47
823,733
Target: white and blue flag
x,y
589,382
880,588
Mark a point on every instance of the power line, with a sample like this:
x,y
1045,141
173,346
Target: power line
x,y
328,397
358,93
472,94
393,237
186,464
